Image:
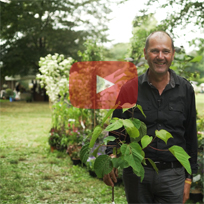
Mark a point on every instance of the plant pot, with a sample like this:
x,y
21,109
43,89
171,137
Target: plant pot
x,y
92,173
196,197
76,161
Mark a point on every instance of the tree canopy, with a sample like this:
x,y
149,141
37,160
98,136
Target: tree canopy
x,y
142,27
33,29
181,12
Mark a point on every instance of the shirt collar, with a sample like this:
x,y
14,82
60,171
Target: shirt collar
x,y
173,78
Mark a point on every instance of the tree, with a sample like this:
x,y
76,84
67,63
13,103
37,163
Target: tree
x,y
117,52
142,27
33,29
181,12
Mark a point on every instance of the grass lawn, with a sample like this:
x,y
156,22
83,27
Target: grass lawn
x,y
29,173
200,104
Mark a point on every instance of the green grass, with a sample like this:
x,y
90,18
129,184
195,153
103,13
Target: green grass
x,y
200,104
29,173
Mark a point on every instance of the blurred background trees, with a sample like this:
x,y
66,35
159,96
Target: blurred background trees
x,y
33,29
179,15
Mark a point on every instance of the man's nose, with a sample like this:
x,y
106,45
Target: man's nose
x,y
160,55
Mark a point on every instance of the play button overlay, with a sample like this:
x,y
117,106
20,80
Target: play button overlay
x,y
102,84
96,84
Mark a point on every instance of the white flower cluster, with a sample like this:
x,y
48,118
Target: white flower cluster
x,y
54,75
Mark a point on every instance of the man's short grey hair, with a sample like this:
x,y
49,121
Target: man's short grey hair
x,y
164,32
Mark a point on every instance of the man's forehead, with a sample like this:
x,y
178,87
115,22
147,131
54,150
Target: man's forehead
x,y
159,35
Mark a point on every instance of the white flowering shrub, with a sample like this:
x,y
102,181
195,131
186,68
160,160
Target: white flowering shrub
x,y
54,75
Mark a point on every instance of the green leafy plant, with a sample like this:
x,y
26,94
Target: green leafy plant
x,y
9,93
90,163
54,75
131,154
74,151
54,139
57,139
183,65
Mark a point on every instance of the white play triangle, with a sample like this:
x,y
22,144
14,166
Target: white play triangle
x,y
102,84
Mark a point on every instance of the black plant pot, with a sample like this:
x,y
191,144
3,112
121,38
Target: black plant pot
x,y
92,173
76,161
196,197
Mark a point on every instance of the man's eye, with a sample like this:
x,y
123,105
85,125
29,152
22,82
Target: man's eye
x,y
154,51
166,51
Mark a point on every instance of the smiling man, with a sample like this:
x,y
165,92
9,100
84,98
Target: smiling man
x,y
159,53
168,102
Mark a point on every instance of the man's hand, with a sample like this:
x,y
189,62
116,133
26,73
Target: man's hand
x,y
111,177
186,191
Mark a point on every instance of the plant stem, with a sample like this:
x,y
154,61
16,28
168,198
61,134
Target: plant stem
x,y
162,150
112,194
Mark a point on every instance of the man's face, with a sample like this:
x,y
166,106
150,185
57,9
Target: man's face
x,y
159,53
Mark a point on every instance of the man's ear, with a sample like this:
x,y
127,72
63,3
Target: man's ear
x,y
145,54
173,55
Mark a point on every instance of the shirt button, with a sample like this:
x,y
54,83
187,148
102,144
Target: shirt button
x,y
159,125
171,108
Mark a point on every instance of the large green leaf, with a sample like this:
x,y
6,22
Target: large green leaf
x,y
109,138
84,153
97,131
142,131
137,150
133,154
136,122
130,128
108,115
140,173
163,135
114,126
197,59
145,141
120,162
181,156
103,165
116,151
153,165
96,150
141,110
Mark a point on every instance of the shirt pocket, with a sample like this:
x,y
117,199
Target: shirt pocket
x,y
176,113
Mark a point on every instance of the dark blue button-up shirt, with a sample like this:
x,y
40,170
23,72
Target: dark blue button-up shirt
x,y
173,110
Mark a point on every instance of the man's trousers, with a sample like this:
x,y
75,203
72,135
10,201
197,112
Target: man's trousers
x,y
165,187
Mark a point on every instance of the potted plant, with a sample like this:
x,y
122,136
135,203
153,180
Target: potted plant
x,y
75,139
90,166
28,98
57,140
54,140
131,154
10,94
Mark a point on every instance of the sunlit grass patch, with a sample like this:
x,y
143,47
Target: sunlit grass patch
x,y
30,173
200,104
